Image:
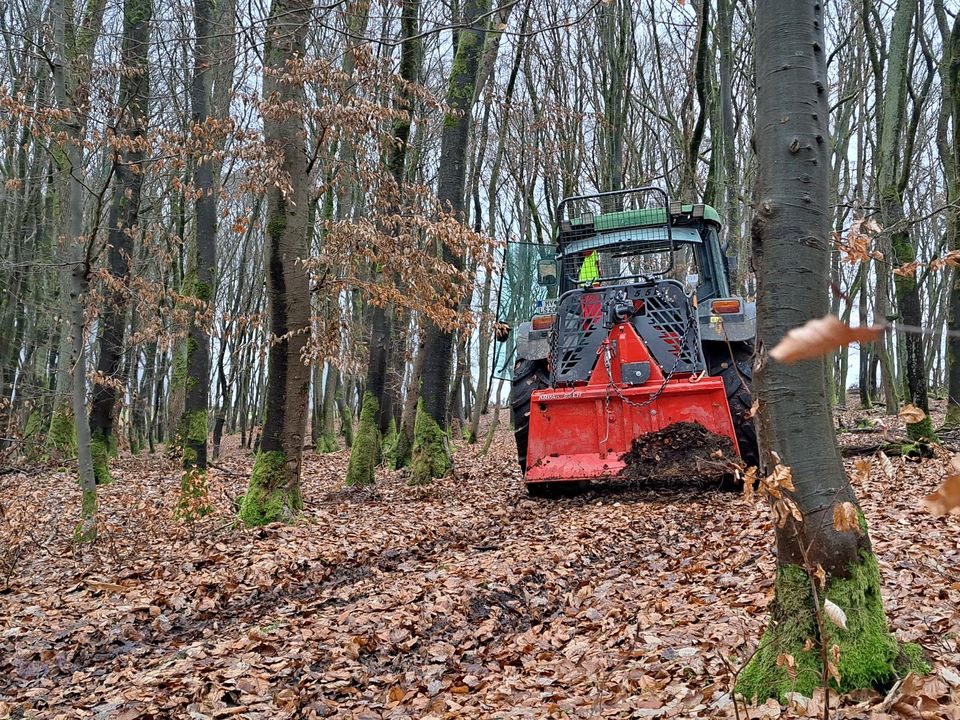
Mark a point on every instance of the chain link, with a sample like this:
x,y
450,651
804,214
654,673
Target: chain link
x,y
605,347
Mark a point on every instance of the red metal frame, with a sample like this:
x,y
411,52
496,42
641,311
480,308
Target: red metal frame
x,y
581,432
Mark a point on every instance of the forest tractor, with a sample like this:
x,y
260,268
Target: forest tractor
x,y
638,333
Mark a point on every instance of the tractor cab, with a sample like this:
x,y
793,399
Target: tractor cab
x,y
638,331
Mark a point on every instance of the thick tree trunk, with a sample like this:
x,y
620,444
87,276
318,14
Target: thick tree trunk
x,y
122,224
274,490
791,252
430,455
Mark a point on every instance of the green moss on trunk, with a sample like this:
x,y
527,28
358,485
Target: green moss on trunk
x,y
268,498
62,435
869,655
327,443
430,459
366,447
388,447
100,453
922,430
346,425
86,530
404,451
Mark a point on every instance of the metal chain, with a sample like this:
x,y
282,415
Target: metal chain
x,y
666,378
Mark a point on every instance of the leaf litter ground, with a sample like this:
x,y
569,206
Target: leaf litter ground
x,y
463,599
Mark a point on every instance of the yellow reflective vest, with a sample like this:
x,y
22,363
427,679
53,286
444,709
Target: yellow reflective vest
x,y
590,269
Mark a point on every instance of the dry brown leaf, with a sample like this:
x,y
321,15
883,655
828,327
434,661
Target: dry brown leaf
x,y
821,575
886,466
835,613
946,498
911,414
862,466
107,587
845,518
820,336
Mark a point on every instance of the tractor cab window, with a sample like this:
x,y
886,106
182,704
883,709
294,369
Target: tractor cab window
x,y
631,255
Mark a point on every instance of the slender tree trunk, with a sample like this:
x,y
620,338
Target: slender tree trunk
x,y
430,455
199,282
891,164
374,414
122,221
950,157
274,491
791,251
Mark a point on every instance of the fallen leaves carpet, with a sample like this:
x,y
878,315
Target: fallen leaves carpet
x,y
461,599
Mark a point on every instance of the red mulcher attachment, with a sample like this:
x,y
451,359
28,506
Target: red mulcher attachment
x,y
580,431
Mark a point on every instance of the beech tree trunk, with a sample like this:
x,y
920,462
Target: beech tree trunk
x,y
891,163
375,411
274,490
430,457
950,157
199,282
791,246
122,221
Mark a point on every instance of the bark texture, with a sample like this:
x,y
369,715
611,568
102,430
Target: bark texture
x,y
274,491
438,344
122,225
791,255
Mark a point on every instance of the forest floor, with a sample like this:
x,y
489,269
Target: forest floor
x,y
461,599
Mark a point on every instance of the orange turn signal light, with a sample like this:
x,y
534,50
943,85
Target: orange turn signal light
x,y
725,307
542,322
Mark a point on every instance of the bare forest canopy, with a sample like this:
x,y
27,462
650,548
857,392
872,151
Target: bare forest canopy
x,y
99,115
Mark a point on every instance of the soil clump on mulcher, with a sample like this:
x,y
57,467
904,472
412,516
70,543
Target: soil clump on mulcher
x,y
684,451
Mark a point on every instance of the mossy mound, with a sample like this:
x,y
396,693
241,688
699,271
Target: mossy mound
x,y
269,498
389,446
430,458
366,446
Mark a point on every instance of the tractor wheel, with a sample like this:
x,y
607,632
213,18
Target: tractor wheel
x,y
737,381
528,375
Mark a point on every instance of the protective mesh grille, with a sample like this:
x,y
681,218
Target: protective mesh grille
x,y
614,237
661,315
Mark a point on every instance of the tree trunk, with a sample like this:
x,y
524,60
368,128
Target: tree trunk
x,y
374,415
122,223
791,252
199,282
274,491
430,455
950,157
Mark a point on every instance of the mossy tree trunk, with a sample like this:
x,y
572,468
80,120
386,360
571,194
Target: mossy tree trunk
x,y
429,444
791,253
373,425
327,436
72,63
274,490
949,145
199,283
122,222
894,159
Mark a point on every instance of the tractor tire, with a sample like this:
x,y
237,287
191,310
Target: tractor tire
x,y
738,381
528,375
